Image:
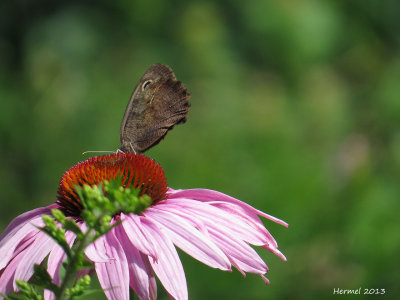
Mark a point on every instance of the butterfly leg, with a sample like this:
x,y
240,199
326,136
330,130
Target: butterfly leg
x,y
133,149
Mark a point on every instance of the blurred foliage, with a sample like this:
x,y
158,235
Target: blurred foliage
x,y
295,110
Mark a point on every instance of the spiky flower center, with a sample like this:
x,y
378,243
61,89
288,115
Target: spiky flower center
x,y
135,171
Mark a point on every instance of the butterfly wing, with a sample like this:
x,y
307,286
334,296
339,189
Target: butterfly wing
x,y
158,103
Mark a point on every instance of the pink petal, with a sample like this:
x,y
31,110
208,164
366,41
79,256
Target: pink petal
x,y
7,275
152,278
243,228
48,295
56,257
132,227
114,274
211,196
94,255
239,225
26,217
257,234
17,230
188,238
168,267
226,233
34,254
25,242
265,279
242,256
139,273
275,251
96,252
261,236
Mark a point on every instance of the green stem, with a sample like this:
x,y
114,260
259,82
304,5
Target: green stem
x,y
72,266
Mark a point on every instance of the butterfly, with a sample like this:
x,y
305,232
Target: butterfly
x,y
158,103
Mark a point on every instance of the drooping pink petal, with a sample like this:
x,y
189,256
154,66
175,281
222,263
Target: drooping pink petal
x,y
48,295
19,228
243,228
226,234
25,242
242,256
93,253
257,233
13,240
34,254
211,196
114,274
132,228
57,256
24,218
265,279
139,275
7,275
168,266
250,230
188,238
275,251
152,278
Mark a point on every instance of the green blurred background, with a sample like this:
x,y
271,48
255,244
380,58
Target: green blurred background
x,y
295,110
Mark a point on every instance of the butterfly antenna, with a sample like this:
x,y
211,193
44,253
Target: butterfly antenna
x,y
97,151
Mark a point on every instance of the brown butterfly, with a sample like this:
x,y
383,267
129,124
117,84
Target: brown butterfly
x,y
157,104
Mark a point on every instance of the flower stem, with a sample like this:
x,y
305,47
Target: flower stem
x,y
73,265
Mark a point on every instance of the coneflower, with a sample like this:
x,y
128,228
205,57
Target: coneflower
x,y
212,227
